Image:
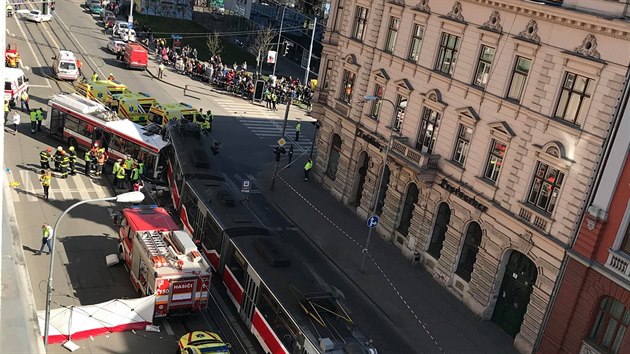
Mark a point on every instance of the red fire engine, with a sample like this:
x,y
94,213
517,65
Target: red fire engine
x,y
163,260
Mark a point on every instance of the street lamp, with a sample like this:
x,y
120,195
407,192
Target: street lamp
x,y
130,197
380,181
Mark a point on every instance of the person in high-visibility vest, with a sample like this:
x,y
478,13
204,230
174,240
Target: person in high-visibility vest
x,y
47,235
40,118
135,175
7,108
206,127
101,158
117,166
128,166
57,158
33,116
298,128
120,178
44,158
45,178
24,100
72,155
95,76
65,165
141,168
307,169
87,158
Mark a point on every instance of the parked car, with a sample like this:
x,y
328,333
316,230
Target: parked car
x,y
88,3
96,8
127,35
38,16
114,43
109,21
106,13
118,26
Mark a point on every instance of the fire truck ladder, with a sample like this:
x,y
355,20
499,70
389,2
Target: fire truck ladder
x,y
154,243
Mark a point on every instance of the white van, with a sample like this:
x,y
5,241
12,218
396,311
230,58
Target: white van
x,y
65,65
15,82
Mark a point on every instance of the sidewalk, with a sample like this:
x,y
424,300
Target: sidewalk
x,y
407,295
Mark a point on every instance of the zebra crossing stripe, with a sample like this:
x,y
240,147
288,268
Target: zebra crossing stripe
x,y
101,191
27,186
83,192
64,188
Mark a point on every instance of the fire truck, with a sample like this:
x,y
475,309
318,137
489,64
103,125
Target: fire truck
x,y
163,260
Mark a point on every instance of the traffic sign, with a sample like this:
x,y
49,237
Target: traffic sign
x,y
372,221
282,142
246,186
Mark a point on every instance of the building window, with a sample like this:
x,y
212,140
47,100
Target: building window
x,y
377,103
484,64
392,33
416,42
360,20
439,230
495,160
399,118
407,211
333,157
428,130
571,98
468,256
327,73
447,54
347,85
380,202
464,135
610,325
545,187
519,76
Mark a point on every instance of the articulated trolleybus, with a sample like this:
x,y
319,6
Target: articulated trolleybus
x,y
82,122
284,301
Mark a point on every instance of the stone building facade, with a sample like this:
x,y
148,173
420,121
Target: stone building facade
x,y
479,141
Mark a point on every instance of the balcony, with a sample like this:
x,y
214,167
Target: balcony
x,y
426,164
619,263
529,216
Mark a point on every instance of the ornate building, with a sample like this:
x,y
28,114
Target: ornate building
x,y
473,128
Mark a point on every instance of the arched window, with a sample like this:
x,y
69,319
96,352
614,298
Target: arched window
x,y
333,158
383,192
439,230
610,325
407,212
468,256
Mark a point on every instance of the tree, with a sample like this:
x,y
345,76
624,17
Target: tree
x,y
261,45
214,44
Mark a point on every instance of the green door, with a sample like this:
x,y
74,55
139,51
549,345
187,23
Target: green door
x,y
516,288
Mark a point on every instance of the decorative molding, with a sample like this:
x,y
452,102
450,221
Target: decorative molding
x,y
588,47
456,12
469,113
503,128
494,22
397,2
351,59
404,84
381,73
423,6
530,33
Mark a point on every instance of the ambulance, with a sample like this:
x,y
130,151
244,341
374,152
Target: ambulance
x,y
65,65
100,90
162,114
163,260
134,106
15,82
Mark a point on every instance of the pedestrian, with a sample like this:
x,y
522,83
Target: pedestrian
x,y
160,70
47,235
39,116
7,108
290,155
33,117
307,169
79,66
298,128
45,178
274,100
44,158
24,100
72,155
87,157
95,76
15,117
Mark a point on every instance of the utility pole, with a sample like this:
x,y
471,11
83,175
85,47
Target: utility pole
x,y
130,19
310,54
284,129
278,45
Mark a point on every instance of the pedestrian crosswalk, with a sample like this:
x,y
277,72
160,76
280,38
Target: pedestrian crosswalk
x,y
270,129
243,108
25,187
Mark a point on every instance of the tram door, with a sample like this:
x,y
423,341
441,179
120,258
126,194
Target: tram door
x,y
57,121
250,295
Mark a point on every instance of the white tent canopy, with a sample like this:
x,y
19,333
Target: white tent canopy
x,y
79,322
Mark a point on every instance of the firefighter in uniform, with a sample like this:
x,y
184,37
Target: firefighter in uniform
x,y
57,158
44,158
88,162
72,155
101,158
65,165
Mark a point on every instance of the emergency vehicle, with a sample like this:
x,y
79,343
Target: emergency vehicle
x,y
163,260
134,106
11,56
100,90
163,113
15,82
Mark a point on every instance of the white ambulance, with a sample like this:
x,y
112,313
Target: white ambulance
x,y
15,82
65,65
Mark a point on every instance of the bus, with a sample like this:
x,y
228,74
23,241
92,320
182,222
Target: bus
x,y
82,122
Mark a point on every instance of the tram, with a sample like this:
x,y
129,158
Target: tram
x,y
275,283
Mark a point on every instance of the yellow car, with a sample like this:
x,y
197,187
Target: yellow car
x,y
202,342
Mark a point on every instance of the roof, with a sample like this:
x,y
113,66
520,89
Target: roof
x,y
172,252
66,55
175,107
143,219
132,96
138,132
12,73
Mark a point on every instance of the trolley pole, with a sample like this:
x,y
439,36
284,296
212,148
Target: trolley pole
x,y
284,129
310,53
278,45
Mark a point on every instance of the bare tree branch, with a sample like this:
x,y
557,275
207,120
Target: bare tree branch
x,y
262,42
214,44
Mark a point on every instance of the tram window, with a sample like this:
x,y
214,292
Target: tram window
x,y
117,143
192,210
211,236
237,265
277,318
72,123
85,129
149,161
133,149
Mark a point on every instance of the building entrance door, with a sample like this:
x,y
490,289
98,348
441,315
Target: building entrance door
x,y
516,289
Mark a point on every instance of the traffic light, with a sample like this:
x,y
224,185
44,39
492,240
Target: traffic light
x,y
279,150
285,48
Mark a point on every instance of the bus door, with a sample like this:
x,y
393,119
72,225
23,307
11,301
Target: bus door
x,y
57,122
250,295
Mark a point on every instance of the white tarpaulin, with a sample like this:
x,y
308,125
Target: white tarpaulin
x,y
78,322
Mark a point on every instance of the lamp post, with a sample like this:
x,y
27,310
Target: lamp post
x,y
130,19
131,197
380,180
278,45
284,130
310,53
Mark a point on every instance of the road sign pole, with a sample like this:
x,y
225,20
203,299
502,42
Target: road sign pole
x,y
284,129
365,250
